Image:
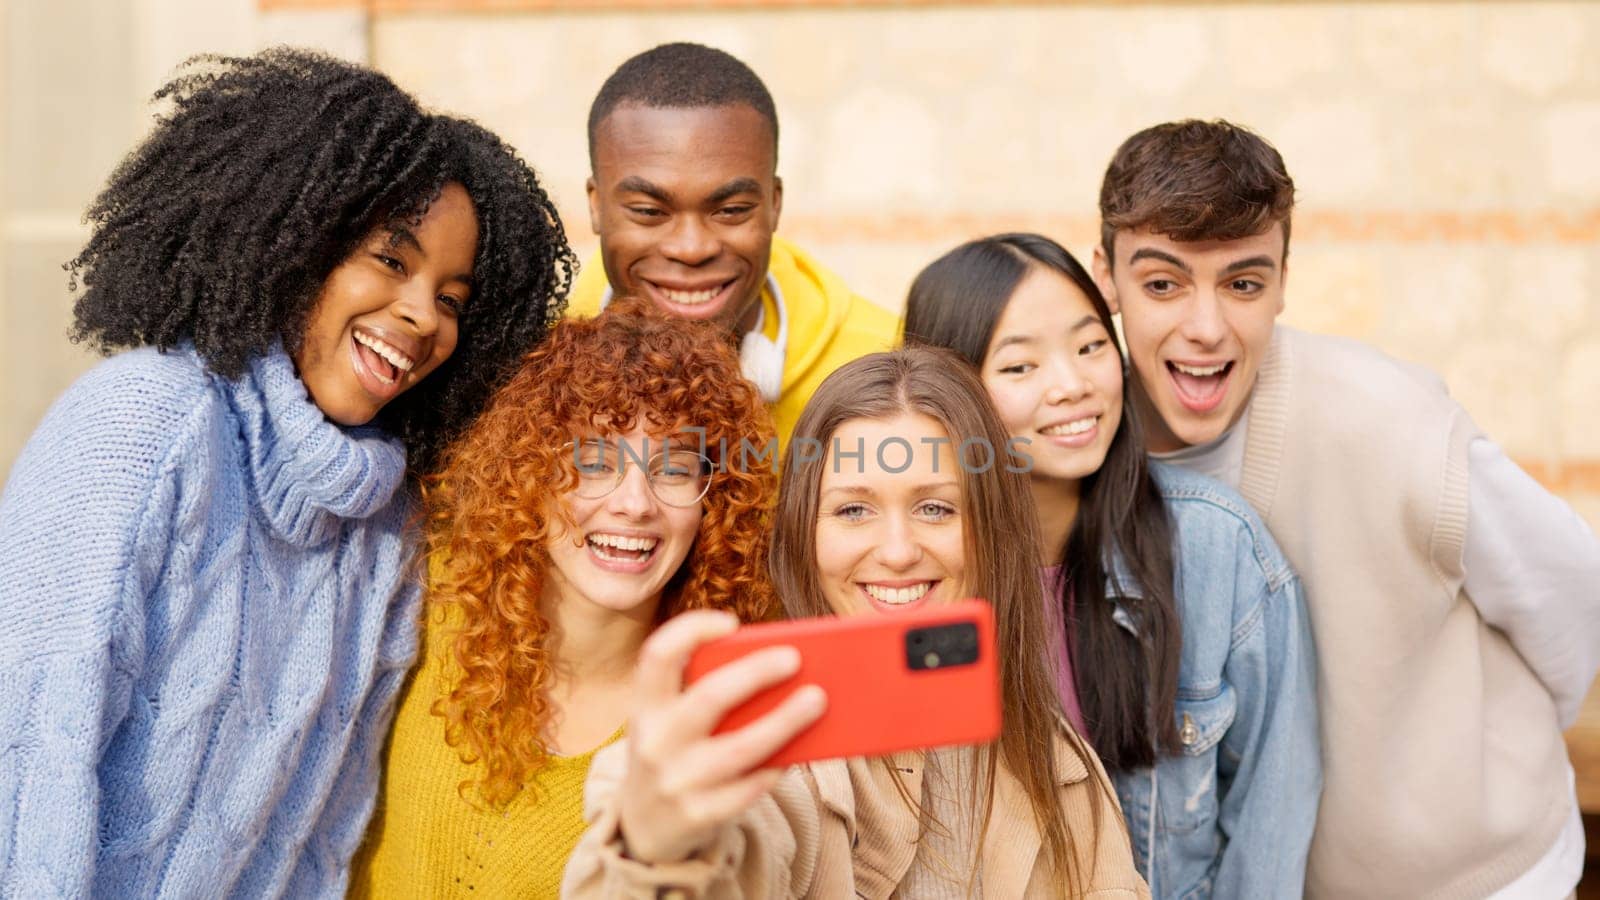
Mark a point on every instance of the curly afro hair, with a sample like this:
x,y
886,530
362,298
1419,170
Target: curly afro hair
x,y
494,507
262,176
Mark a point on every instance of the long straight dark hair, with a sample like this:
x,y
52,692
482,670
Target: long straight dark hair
x,y
1127,683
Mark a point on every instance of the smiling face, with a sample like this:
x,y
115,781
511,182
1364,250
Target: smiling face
x,y
1055,376
386,316
890,541
1198,317
685,202
624,547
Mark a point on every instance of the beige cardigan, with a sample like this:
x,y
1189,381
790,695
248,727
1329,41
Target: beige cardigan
x,y
842,829
1444,769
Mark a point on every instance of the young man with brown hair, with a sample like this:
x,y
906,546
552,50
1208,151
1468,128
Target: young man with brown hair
x,y
685,196
1454,601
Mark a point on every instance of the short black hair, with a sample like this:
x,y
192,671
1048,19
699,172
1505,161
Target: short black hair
x,y
263,175
682,76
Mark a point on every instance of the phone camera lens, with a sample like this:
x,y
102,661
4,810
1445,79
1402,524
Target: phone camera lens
x,y
941,646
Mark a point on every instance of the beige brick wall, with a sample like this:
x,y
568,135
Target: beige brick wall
x,y
1445,153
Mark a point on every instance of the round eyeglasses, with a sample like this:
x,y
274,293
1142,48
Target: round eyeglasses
x,y
678,476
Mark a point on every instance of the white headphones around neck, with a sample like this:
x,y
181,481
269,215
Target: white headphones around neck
x,y
761,360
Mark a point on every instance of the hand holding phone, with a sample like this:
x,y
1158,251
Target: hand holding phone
x,y
684,782
902,681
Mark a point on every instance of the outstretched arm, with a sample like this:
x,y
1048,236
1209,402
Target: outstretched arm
x,y
675,806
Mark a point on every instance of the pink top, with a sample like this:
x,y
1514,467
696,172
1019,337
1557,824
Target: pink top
x,y
1060,652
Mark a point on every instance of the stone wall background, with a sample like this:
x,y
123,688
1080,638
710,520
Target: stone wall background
x,y
1445,153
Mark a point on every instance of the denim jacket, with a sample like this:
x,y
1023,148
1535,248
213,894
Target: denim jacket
x,y
1231,814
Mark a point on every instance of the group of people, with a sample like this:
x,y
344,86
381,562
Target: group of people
x,y
371,564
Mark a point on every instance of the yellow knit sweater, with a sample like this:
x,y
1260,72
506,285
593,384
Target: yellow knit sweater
x,y
428,840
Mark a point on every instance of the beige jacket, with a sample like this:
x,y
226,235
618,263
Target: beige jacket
x,y
840,828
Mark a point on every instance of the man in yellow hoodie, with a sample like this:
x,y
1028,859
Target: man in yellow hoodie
x,y
685,196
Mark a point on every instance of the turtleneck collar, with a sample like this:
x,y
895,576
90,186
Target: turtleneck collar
x,y
308,473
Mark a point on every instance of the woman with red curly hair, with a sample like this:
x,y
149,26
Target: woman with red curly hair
x,y
588,504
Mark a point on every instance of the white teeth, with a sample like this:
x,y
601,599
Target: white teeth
x,y
897,596
387,351
1076,426
1199,371
623,543
690,298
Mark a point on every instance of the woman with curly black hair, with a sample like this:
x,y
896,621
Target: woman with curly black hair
x,y
205,580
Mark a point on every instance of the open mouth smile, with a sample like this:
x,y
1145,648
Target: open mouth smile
x,y
380,366
1073,432
621,552
1200,387
899,596
693,302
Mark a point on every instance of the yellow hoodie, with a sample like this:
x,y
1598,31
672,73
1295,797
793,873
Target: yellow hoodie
x,y
829,325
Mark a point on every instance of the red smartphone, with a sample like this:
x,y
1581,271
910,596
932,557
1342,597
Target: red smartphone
x,y
927,678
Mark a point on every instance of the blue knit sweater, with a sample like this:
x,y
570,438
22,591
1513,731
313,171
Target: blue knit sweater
x,y
205,616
